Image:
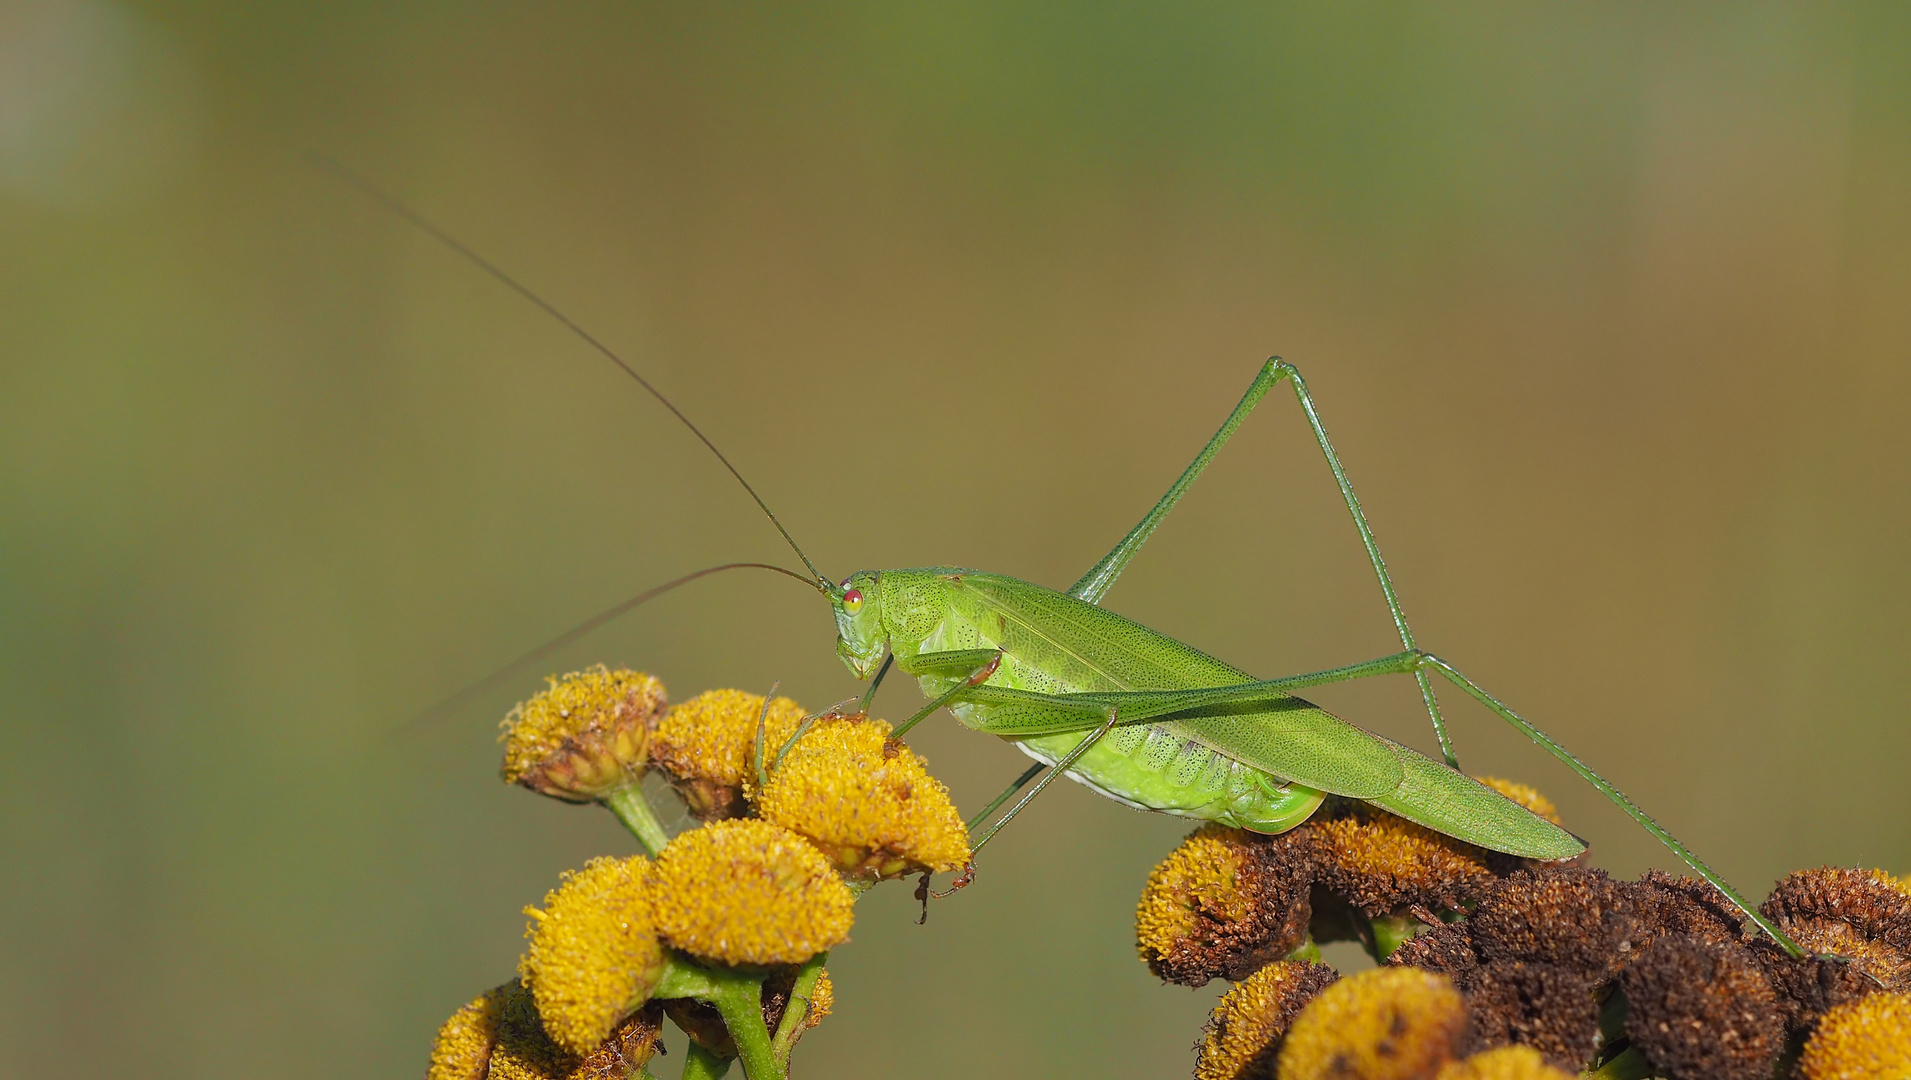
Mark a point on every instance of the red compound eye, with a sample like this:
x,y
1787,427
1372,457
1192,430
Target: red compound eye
x,y
852,600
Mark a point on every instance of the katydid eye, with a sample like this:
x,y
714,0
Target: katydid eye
x,y
853,601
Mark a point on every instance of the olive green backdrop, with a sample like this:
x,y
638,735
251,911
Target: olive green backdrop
x,y
1606,308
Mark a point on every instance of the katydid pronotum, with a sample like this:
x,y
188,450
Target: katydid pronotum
x,y
1132,713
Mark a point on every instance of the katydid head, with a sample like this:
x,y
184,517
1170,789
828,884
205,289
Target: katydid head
x,y
860,639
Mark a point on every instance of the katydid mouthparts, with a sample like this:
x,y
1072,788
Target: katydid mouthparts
x,y
1132,713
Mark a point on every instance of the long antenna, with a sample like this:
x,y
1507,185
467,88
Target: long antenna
x,y
585,627
392,203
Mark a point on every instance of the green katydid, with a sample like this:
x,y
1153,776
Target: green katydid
x,y
1130,712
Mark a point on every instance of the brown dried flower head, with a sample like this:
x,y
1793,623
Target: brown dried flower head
x,y
1547,1008
1391,1023
1700,1009
584,736
1863,915
1575,918
1382,864
707,747
1244,1032
1447,949
1668,905
594,954
867,803
748,892
1224,903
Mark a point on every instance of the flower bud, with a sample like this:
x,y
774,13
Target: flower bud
x,y
583,737
866,802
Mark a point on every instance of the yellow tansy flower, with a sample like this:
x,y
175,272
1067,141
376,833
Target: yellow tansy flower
x,y
463,1049
500,1037
1383,864
748,892
1506,1063
707,746
868,804
594,954
583,737
1243,1033
1866,1039
1385,1024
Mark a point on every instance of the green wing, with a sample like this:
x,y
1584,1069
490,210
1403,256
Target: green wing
x,y
1454,803
1275,733
1302,743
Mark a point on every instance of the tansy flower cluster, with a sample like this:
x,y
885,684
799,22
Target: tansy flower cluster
x,y
1495,967
725,928
1490,967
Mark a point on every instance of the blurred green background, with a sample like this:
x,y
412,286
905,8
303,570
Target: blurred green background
x,y
1606,308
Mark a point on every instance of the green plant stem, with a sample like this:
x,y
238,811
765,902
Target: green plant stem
x,y
701,1064
740,1000
1389,931
797,1012
631,808
738,997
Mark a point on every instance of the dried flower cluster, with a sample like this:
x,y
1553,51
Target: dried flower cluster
x,y
1497,968
723,929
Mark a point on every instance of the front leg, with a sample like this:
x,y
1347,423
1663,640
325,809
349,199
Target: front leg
x,y
970,667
